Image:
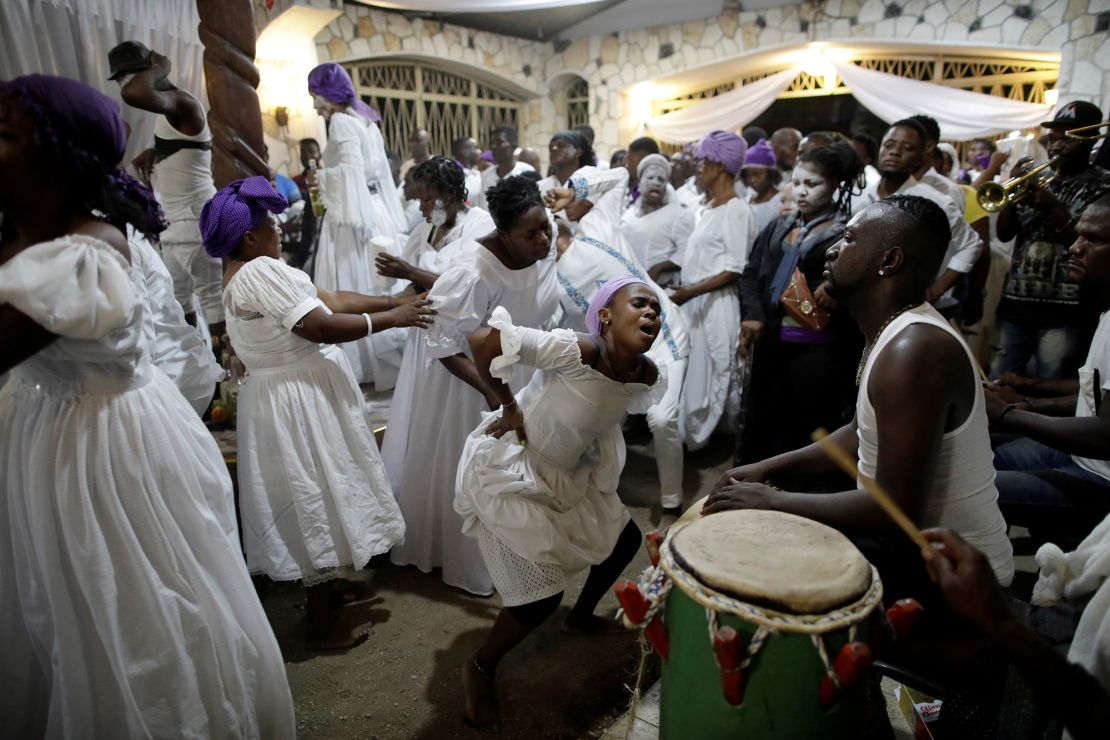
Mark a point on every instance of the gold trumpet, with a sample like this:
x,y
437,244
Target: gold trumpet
x,y
993,196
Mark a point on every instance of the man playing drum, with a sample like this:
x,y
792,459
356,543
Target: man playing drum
x,y
921,425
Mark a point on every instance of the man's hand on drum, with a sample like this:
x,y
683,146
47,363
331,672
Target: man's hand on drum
x,y
966,580
751,473
739,495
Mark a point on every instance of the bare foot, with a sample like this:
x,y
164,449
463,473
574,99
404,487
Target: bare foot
x,y
479,698
336,637
592,625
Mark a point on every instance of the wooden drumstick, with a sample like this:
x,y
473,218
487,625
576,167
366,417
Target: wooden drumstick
x,y
882,498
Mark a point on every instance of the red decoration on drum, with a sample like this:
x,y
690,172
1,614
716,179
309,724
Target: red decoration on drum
x,y
851,663
635,609
729,648
652,542
902,614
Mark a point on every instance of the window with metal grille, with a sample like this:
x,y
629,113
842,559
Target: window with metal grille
x,y
578,104
449,105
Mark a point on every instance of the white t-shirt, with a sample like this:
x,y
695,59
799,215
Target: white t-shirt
x,y
1090,393
490,178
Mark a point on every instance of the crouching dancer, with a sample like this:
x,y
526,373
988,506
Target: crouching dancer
x,y
540,497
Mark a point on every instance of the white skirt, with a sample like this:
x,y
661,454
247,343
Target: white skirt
x,y
432,413
345,261
312,488
125,606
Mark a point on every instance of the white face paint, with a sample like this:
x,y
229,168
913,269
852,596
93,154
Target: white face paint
x,y
654,179
812,191
322,106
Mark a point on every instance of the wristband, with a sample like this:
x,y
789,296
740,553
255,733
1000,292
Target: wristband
x,y
369,324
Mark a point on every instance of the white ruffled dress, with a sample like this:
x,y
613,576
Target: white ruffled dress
x,y
362,203
313,492
125,606
551,508
434,411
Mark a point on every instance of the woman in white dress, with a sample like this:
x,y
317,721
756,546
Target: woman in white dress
x,y
315,500
512,266
715,257
356,184
537,484
657,226
567,152
440,186
127,610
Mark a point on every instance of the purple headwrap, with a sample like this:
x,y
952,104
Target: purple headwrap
x,y
236,209
487,155
603,297
725,148
760,155
83,124
333,84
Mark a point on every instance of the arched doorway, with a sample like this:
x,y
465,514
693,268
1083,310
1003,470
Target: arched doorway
x,y
449,104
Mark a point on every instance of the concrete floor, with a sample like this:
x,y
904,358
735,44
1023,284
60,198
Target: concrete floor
x,y
403,682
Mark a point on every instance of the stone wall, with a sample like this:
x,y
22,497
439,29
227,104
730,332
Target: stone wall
x,y
612,64
362,32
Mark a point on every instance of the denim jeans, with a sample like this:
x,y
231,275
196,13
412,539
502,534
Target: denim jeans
x,y
1042,488
1053,353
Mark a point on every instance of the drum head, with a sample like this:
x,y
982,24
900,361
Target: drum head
x,y
782,561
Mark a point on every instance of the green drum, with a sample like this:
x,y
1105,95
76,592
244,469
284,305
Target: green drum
x,y
759,609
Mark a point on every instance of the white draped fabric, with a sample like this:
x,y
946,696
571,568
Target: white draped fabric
x,y
72,38
962,114
727,112
474,6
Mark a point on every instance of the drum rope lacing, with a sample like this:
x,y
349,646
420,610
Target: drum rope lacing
x,y
811,624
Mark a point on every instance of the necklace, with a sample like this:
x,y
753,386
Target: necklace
x,y
879,333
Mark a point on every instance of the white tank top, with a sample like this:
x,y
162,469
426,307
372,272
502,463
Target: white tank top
x,y
184,178
963,497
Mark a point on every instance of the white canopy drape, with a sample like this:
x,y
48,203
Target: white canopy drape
x,y
726,112
962,115
474,6
72,38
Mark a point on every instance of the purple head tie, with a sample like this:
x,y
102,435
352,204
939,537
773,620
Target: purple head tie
x,y
723,147
603,297
236,209
78,120
331,82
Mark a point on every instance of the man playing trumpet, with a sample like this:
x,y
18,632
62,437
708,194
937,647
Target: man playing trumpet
x,y
1043,324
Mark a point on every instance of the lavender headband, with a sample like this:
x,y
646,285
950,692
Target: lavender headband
x,y
236,209
331,82
603,297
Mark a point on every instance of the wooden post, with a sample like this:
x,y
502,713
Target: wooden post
x,y
228,34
